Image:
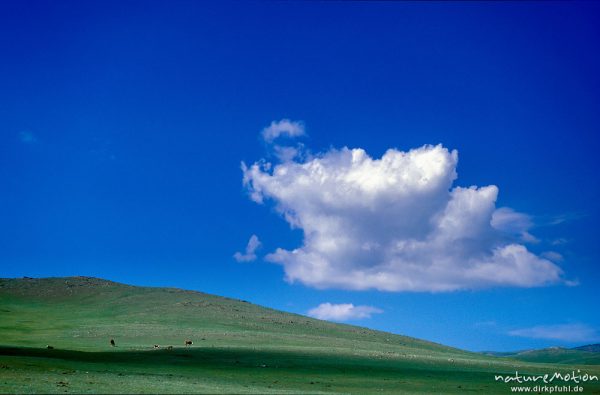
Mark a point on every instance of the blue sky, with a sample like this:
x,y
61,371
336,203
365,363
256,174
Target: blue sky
x,y
123,127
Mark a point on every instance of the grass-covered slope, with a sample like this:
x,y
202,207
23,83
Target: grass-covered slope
x,y
238,347
559,355
82,313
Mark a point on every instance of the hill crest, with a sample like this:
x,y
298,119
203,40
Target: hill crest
x,y
83,312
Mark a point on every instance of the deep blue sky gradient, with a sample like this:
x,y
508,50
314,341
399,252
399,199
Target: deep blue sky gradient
x,y
123,125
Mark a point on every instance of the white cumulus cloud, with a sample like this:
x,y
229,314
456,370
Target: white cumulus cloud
x,y
395,223
565,332
250,254
508,220
284,127
342,312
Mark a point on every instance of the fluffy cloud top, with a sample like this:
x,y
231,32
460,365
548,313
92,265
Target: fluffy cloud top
x,y
285,127
342,312
395,224
564,332
250,255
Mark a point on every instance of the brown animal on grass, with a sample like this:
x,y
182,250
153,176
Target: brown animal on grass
x,y
49,347
112,342
188,342
170,348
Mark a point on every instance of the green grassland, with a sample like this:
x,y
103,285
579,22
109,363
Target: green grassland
x,y
557,355
238,347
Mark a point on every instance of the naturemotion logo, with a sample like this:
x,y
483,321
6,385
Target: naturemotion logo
x,y
574,377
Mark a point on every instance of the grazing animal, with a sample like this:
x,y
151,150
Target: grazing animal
x,y
170,348
188,342
156,346
112,342
49,347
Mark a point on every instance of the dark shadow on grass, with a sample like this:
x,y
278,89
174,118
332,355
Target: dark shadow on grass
x,y
290,369
240,359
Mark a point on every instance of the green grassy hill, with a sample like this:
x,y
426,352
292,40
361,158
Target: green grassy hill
x,y
559,355
238,347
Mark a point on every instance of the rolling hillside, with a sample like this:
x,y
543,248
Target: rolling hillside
x,y
589,347
83,313
585,355
238,347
